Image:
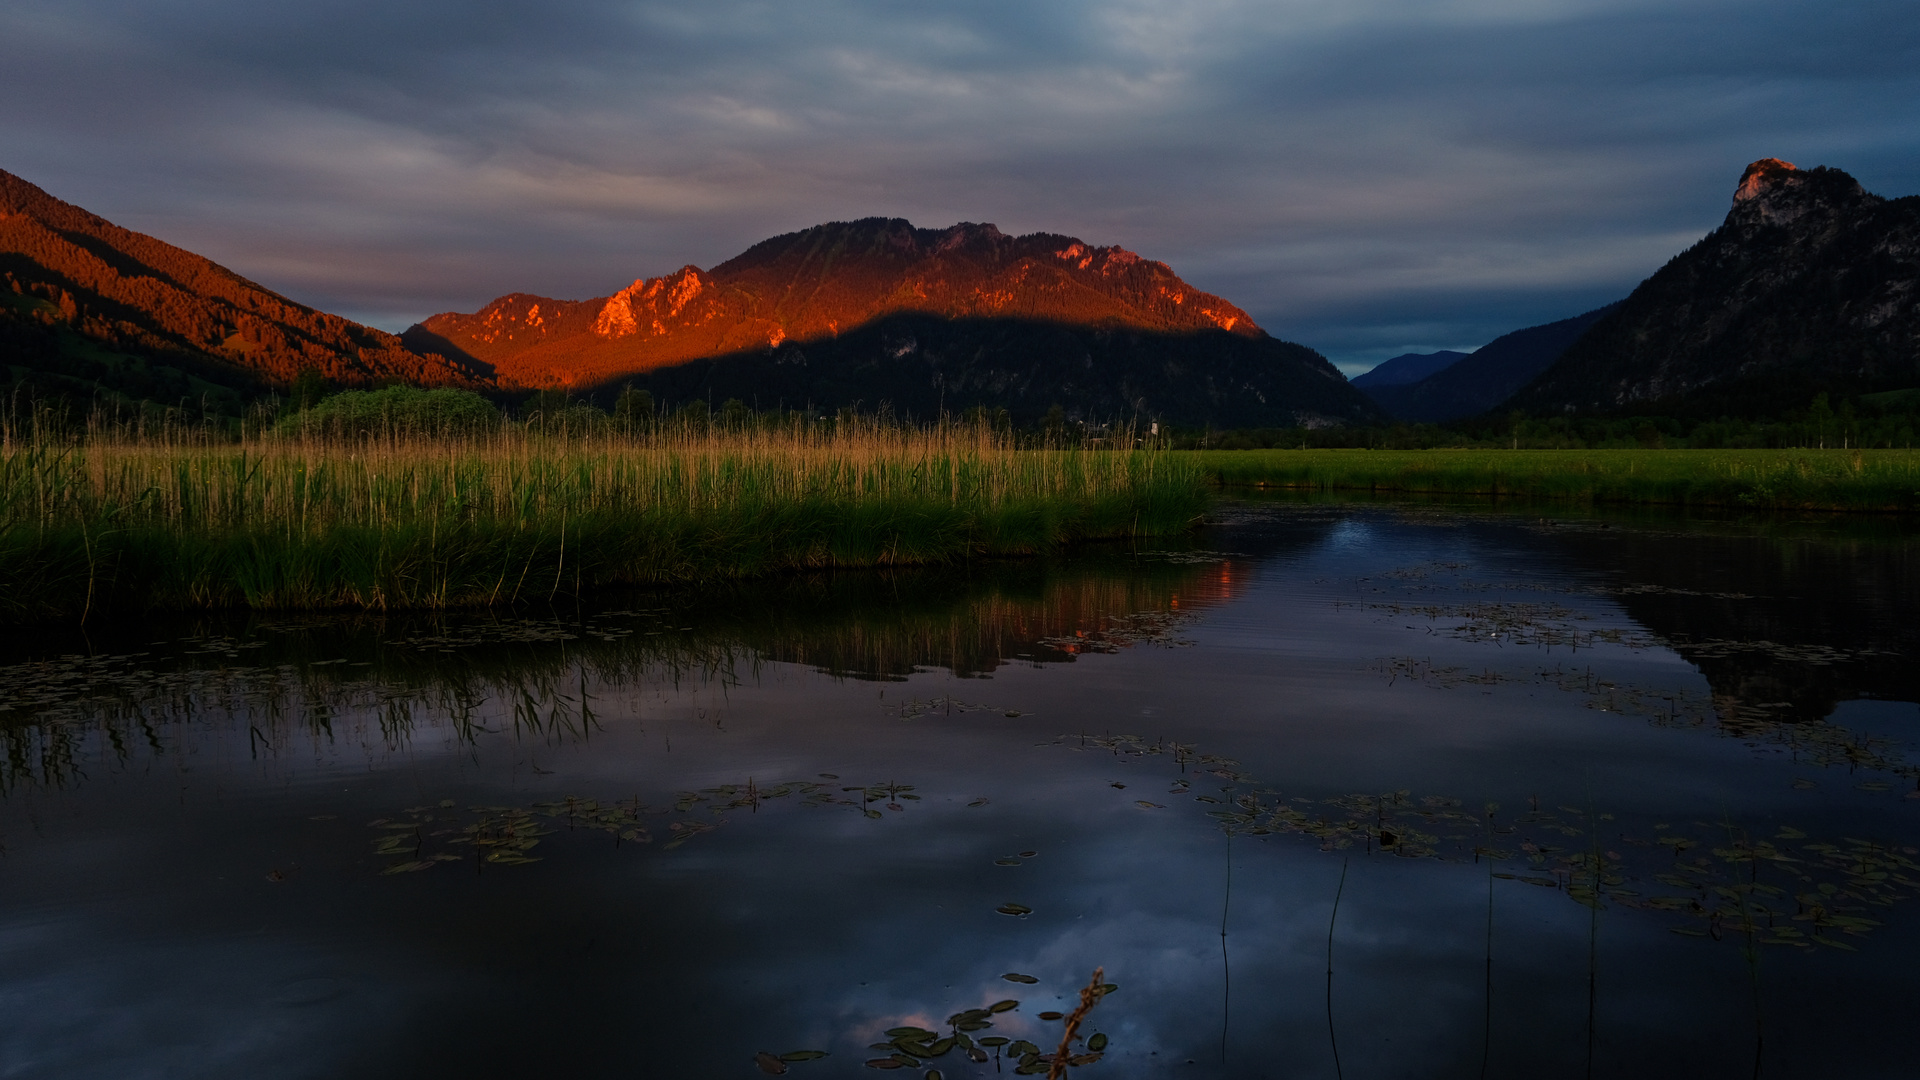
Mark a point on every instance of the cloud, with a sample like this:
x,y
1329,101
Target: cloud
x,y
1366,177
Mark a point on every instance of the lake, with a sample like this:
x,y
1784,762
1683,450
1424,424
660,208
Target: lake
x,y
1324,790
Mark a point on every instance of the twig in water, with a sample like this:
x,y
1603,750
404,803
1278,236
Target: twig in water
x,y
1089,997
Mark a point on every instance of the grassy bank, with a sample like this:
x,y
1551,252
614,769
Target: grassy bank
x,y
1848,480
297,522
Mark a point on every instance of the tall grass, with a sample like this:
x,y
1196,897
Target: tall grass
x,y
128,519
1869,480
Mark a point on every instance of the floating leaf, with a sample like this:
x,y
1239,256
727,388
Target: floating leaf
x,y
1002,1006
769,1064
884,1063
408,867
1028,854
1108,988
1006,862
1013,976
1014,909
994,1040
1051,1015
803,1055
978,802
1098,1042
1145,805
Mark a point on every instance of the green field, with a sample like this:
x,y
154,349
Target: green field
x,y
96,526
1842,480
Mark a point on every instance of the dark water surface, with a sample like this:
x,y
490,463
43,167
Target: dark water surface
x,y
783,818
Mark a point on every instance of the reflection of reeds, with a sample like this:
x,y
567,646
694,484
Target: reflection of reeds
x,y
292,522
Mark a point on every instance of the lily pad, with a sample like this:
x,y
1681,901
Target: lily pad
x,y
1014,909
1013,976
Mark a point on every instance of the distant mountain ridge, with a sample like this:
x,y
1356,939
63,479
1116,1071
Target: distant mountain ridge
x,y
1487,376
926,319
91,303
1810,284
1406,368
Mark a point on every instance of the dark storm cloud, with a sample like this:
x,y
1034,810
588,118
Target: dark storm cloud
x,y
1367,177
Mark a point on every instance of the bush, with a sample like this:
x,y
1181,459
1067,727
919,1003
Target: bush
x,y
397,411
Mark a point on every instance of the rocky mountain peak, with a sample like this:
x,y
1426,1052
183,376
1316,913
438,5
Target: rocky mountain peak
x,y
1773,192
968,234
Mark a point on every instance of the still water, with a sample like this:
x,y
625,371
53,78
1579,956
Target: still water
x,y
1324,791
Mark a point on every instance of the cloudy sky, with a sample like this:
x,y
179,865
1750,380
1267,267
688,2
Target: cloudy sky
x,y
1365,176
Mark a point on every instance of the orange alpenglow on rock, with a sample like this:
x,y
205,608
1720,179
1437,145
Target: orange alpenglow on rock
x,y
832,279
1758,176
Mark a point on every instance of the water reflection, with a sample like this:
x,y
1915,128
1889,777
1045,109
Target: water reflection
x,y
1627,788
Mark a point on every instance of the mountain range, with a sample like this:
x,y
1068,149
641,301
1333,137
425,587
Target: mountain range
x,y
877,310
1810,284
1483,379
1406,368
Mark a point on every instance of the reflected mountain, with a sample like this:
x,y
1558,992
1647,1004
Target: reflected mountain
x,y
1783,622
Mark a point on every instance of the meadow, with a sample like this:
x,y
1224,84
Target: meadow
x,y
311,519
1821,480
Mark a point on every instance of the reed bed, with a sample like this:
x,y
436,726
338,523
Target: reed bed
x,y
397,521
1824,480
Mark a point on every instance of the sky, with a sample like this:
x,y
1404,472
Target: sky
x,y
1367,177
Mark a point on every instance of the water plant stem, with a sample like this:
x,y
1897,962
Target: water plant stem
x,y
1332,1039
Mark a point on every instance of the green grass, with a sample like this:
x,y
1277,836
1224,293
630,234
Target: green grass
x,y
302,523
1832,480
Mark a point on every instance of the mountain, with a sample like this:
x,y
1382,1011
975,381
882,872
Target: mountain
x,y
877,310
86,305
1488,376
1406,368
1811,284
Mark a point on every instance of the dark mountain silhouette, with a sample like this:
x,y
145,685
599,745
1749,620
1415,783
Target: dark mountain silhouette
x,y
876,310
1488,376
1406,368
1811,284
86,305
